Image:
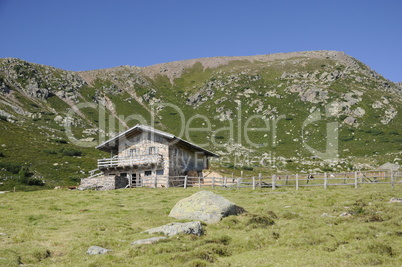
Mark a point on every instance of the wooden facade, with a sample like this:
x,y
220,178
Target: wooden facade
x,y
143,154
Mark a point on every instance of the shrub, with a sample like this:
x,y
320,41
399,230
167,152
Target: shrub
x,y
71,152
50,151
1,155
247,168
24,172
346,138
258,221
35,181
3,118
11,167
380,248
374,132
61,141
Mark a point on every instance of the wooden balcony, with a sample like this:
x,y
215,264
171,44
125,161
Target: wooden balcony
x,y
140,160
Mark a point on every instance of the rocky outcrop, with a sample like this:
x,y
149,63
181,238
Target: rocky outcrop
x,y
205,206
171,229
95,250
148,241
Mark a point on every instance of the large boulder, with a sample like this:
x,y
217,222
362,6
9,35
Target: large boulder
x,y
171,229
205,206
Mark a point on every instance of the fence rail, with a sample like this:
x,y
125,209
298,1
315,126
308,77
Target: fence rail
x,y
297,181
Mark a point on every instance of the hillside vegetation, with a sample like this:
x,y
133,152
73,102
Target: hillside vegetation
x,y
256,112
281,228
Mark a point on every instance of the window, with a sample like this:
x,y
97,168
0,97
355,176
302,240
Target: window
x,y
159,172
151,150
133,152
148,173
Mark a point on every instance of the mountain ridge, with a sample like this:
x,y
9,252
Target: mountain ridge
x,y
222,94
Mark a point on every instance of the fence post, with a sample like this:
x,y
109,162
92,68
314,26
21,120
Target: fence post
x,y
199,182
356,180
213,182
297,181
253,183
325,180
155,182
238,183
392,179
273,181
225,180
185,181
260,180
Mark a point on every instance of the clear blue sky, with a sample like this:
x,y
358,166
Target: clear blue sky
x,y
93,34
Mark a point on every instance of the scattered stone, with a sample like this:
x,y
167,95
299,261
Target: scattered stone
x,y
148,241
389,115
346,214
395,200
205,206
326,215
58,118
95,250
359,112
3,234
350,120
171,229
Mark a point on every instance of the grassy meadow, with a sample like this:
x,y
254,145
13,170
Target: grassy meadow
x,y
282,228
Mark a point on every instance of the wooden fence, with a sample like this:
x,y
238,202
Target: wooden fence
x,y
297,181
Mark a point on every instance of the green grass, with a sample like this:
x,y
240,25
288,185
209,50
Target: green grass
x,y
281,228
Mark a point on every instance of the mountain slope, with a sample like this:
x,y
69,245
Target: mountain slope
x,y
299,111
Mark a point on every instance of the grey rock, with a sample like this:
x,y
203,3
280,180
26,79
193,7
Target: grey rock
x,y
314,95
58,118
171,229
205,206
194,99
395,200
359,112
377,104
95,250
346,214
350,120
390,114
148,241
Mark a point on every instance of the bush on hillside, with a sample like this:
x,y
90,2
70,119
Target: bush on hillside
x,y
70,152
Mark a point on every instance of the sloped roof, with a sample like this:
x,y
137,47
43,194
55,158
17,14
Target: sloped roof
x,y
113,143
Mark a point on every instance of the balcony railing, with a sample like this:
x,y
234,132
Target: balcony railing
x,y
130,161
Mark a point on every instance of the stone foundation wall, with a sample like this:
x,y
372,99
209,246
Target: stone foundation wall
x,y
100,183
